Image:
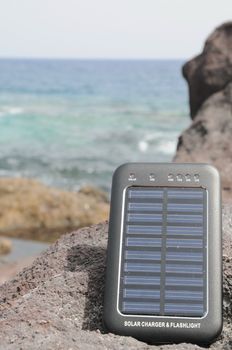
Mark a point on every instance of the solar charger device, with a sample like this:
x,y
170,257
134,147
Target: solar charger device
x,y
164,260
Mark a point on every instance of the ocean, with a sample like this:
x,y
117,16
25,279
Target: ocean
x,y
70,123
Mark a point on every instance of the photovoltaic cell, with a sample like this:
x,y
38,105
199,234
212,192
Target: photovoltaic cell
x,y
164,246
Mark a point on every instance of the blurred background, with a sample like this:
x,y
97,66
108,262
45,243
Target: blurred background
x,y
84,87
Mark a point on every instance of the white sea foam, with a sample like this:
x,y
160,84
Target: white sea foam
x,y
143,146
154,136
10,111
167,147
156,140
149,139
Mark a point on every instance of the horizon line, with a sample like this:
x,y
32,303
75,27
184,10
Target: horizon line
x,y
93,58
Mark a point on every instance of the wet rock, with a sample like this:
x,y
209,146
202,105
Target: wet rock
x,y
57,302
31,210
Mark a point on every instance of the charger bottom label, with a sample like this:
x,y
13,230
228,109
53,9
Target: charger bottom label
x,y
157,324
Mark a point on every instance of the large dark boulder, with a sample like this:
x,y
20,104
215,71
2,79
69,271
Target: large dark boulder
x,y
211,71
57,302
209,138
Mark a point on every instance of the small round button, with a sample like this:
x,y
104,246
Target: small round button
x,y
132,177
179,177
171,177
152,177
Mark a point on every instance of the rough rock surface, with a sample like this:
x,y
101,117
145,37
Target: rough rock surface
x,y
9,270
208,139
211,71
57,302
29,209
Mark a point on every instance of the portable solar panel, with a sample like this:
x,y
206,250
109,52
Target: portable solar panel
x,y
164,279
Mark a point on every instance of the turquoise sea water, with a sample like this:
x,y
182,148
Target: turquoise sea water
x,y
72,122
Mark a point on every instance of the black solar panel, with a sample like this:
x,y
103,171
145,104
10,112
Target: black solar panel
x,y
163,258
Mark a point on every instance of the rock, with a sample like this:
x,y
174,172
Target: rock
x,y
57,302
29,209
211,71
5,246
96,193
208,139
9,270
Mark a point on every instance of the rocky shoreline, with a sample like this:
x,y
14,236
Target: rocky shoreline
x,y
209,76
31,210
57,302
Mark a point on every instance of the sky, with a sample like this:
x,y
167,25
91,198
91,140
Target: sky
x,y
138,29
